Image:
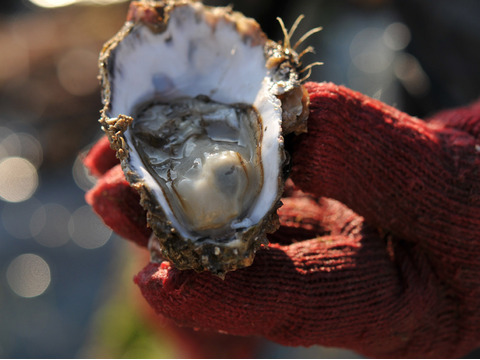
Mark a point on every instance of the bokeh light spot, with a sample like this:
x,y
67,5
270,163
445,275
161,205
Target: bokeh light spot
x,y
81,175
410,73
397,36
52,3
18,180
368,52
49,225
10,142
28,275
60,3
30,149
77,71
87,230
21,145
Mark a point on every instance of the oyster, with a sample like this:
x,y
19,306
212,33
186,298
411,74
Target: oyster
x,y
196,103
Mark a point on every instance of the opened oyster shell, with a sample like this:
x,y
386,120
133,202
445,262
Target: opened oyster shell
x,y
196,103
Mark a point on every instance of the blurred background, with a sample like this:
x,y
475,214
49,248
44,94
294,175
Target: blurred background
x,y
66,286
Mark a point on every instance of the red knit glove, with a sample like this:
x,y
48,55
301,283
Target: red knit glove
x,y
396,274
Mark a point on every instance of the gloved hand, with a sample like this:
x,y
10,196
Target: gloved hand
x,y
394,274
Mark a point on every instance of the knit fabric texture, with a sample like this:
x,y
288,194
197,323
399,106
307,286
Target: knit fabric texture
x,y
379,245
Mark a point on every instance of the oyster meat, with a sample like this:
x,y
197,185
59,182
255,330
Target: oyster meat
x,y
196,103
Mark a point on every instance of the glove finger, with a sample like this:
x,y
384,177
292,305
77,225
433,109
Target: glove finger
x,y
100,158
400,173
302,217
118,204
326,291
465,119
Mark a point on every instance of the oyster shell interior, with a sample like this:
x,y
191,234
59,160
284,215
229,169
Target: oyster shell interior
x,y
203,157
